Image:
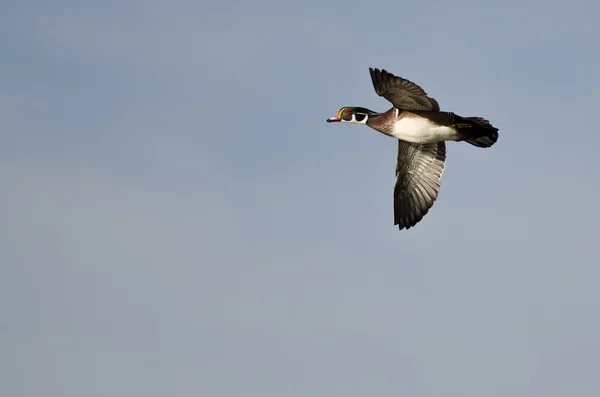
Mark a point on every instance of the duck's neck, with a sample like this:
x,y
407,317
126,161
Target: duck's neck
x,y
383,122
373,118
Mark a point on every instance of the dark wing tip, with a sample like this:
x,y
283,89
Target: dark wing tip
x,y
373,72
378,79
414,209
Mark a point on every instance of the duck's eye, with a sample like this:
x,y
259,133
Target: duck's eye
x,y
347,115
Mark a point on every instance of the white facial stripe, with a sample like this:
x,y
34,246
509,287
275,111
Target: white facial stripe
x,y
363,121
354,121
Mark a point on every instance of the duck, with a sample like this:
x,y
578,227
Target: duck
x,y
422,130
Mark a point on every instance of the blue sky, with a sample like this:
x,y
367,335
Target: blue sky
x,y
178,218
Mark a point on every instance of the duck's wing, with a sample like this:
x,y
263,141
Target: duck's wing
x,y
418,177
402,93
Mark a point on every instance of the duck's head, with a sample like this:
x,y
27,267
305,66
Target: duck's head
x,y
355,115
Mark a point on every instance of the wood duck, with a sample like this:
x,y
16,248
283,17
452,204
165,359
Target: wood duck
x,y
421,129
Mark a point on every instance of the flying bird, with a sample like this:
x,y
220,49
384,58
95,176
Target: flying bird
x,y
421,129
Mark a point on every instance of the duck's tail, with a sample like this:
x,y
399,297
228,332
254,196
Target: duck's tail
x,y
477,131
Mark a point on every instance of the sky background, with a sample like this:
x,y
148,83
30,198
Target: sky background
x,y
177,219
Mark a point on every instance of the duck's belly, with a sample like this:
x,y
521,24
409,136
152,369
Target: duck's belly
x,y
421,130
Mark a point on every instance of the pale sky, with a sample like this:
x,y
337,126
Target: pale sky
x,y
178,219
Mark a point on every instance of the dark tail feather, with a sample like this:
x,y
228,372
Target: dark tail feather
x,y
477,131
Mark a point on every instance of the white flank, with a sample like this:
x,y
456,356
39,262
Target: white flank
x,y
421,130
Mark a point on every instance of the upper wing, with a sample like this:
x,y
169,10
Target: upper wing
x,y
402,93
418,176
